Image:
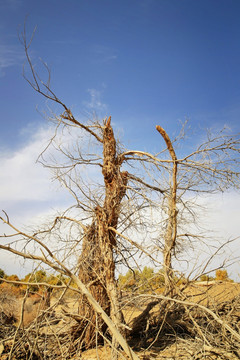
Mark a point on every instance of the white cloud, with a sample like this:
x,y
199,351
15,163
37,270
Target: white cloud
x,y
219,220
95,103
10,55
225,215
21,178
29,196
27,193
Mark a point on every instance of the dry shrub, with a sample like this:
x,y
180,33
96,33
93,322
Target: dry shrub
x,y
9,300
33,306
10,289
216,326
30,316
8,312
10,305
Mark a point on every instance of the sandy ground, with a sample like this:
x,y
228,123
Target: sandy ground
x,y
208,294
212,293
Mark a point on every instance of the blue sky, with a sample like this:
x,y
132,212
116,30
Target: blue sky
x,y
144,62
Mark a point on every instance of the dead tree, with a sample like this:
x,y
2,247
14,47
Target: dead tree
x,y
133,194
96,262
211,168
179,181
171,231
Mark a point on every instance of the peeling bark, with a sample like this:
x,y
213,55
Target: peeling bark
x,y
96,263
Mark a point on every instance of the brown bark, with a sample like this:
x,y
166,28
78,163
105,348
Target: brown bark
x,y
171,232
96,263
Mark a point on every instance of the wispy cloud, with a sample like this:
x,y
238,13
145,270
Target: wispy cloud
x,y
21,179
103,54
95,104
10,55
27,193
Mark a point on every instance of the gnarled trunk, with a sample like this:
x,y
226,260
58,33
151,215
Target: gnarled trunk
x,y
96,263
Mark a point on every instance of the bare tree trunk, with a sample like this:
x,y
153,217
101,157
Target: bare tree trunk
x,y
171,232
96,263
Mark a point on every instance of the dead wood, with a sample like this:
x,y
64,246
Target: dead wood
x,y
139,324
202,171
163,322
163,328
96,262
